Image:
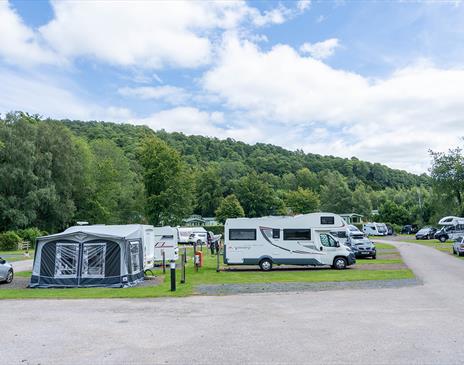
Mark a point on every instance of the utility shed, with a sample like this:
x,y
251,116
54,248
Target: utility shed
x,y
90,256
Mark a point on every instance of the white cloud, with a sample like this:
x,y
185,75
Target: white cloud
x,y
169,94
320,50
303,5
393,120
18,43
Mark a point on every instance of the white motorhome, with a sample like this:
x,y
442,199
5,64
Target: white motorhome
x,y
300,240
375,229
452,228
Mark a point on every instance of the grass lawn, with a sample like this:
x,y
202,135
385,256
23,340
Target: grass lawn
x,y
16,255
208,275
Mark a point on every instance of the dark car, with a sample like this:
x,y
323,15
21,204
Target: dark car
x,y
426,233
409,229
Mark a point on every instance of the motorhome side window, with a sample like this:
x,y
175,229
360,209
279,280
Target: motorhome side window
x,y
327,220
276,233
297,234
243,234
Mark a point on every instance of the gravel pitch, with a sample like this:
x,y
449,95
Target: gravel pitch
x,y
228,289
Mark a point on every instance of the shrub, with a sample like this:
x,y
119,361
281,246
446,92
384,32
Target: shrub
x,y
30,235
9,241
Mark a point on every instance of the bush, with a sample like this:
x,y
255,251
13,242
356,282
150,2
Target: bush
x,y
30,235
9,241
219,229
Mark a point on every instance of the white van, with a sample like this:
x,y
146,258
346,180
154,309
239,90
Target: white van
x,y
452,228
375,229
300,240
192,234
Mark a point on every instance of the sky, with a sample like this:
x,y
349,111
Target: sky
x,y
379,80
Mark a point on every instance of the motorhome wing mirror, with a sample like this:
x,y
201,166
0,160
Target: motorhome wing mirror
x,y
2,261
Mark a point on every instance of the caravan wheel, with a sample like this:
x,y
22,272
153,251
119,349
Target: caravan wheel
x,y
265,265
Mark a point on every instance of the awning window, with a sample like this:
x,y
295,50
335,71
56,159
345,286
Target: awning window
x,y
93,260
135,256
66,260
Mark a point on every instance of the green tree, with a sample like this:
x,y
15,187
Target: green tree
x,y
393,213
302,201
257,198
209,191
335,194
168,185
448,175
307,179
361,202
229,208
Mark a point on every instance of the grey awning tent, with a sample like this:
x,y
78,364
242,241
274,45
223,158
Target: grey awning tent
x,y
89,256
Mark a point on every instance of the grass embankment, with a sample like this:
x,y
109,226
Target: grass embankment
x,y
208,275
17,255
436,244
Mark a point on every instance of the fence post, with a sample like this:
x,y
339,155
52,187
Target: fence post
x,y
217,256
163,254
182,278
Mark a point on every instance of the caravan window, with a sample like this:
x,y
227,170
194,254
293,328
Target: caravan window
x,y
135,256
66,258
93,260
242,234
297,234
327,220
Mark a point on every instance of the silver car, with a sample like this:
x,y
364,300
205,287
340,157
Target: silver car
x,y
458,246
6,271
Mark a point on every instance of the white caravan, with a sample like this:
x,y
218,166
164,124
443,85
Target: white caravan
x,y
165,240
375,229
192,234
300,240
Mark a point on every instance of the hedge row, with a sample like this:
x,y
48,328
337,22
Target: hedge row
x,y
9,240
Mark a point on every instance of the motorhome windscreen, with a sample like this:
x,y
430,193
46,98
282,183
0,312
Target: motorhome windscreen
x,y
327,220
339,234
297,234
243,234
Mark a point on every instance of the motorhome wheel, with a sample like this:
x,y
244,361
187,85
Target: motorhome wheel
x,y
340,263
265,265
443,239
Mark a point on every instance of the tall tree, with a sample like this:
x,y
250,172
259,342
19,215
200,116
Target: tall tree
x,y
229,208
335,194
302,201
361,202
209,191
168,185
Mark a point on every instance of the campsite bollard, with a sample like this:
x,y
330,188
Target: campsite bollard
x,y
164,261
173,275
185,255
183,261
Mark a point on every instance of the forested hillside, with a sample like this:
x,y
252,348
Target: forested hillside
x,y
53,173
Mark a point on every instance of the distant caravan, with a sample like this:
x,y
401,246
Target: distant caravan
x,y
375,229
300,240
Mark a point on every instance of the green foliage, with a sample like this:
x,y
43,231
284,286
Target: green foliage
x,y
335,194
30,235
394,213
209,191
168,186
219,229
9,241
229,208
257,197
302,201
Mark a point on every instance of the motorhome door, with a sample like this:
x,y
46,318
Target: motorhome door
x,y
328,248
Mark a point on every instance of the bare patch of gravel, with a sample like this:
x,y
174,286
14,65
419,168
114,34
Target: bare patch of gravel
x,y
230,289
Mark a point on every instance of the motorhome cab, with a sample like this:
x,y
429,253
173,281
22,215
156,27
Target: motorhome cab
x,y
452,228
375,229
300,240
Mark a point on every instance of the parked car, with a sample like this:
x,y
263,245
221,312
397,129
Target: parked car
x,y
362,246
6,271
458,246
390,230
426,233
410,229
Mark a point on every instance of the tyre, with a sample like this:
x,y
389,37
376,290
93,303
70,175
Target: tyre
x,y
454,252
340,263
9,277
459,253
442,239
265,264
374,257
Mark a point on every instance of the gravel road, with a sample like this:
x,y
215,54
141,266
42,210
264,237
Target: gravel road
x,y
419,324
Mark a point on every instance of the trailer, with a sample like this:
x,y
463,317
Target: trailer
x,y
276,240
165,242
